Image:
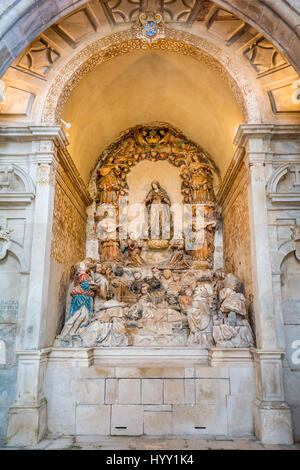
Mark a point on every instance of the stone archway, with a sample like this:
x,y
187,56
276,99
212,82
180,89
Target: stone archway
x,y
125,42
206,403
19,29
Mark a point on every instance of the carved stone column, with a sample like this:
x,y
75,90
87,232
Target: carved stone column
x,y
27,421
41,244
272,416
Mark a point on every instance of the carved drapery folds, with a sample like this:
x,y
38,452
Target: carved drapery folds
x,y
112,306
154,288
198,177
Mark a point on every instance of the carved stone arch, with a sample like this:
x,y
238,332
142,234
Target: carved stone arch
x,y
39,17
285,249
142,147
14,248
272,186
275,178
10,194
125,42
26,178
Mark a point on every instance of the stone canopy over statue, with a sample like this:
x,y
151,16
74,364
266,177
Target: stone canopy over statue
x,y
156,286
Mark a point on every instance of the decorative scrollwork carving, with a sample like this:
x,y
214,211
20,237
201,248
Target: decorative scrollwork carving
x,y
125,42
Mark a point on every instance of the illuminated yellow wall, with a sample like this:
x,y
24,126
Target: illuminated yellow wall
x,y
148,86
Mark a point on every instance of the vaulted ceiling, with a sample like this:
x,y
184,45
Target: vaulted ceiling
x,y
140,86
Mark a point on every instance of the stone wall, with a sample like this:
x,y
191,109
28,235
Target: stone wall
x,y
148,397
9,309
236,231
17,194
291,311
283,191
67,247
69,223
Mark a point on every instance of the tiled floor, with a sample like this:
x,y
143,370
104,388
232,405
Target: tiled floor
x,y
146,443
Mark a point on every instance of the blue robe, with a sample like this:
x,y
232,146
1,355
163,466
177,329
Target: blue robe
x,y
80,299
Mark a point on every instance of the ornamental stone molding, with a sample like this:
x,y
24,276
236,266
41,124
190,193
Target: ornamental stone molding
x,y
18,28
45,174
125,42
16,186
286,248
7,244
286,197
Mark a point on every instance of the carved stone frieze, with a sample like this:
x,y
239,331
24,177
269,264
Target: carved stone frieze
x,y
236,230
68,229
45,174
112,306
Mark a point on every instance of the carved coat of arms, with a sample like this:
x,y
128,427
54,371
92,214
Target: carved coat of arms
x,y
150,25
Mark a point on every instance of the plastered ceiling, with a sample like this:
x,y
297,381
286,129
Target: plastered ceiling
x,y
151,86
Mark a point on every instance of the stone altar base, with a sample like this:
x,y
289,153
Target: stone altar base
x,y
150,391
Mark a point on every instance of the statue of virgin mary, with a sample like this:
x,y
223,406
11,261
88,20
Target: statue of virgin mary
x,y
158,205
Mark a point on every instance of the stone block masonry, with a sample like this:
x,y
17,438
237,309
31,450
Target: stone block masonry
x,y
162,400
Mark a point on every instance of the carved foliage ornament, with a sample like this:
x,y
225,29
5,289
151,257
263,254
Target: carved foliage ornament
x,y
68,236
156,143
45,174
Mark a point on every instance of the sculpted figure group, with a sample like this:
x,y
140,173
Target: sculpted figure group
x,y
157,287
116,306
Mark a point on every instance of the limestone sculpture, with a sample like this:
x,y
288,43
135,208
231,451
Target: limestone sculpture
x,y
231,327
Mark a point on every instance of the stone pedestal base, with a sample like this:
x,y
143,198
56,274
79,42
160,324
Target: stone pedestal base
x,y
155,391
27,423
273,423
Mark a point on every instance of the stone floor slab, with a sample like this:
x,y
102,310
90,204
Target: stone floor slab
x,y
149,443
